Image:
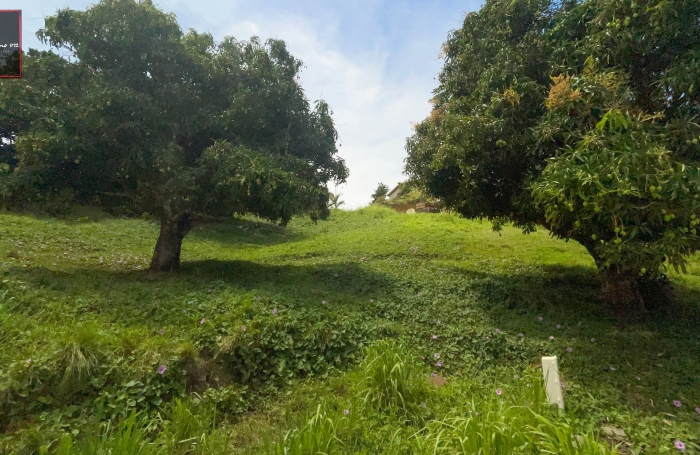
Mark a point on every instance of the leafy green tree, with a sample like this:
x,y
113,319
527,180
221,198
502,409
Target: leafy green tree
x,y
149,119
380,193
579,117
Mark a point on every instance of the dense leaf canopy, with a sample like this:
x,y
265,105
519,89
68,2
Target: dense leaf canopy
x,y
578,116
147,118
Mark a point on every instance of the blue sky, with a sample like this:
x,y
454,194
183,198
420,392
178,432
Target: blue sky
x,y
374,62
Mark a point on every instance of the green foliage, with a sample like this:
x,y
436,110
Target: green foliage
x,y
561,439
149,119
191,429
334,201
608,157
468,417
188,430
73,293
317,436
277,348
390,381
72,374
380,193
128,437
631,198
476,149
409,195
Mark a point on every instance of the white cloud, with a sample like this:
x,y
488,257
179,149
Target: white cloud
x,y
372,112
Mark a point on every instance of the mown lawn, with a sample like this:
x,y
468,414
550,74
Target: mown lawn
x,y
265,324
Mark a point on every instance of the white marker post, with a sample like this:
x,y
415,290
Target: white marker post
x,y
550,372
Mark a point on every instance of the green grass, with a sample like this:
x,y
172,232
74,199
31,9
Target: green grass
x,y
84,330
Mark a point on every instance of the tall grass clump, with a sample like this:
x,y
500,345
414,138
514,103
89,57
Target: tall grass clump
x,y
395,410
185,429
128,437
316,436
513,418
391,380
191,429
560,438
505,430
78,358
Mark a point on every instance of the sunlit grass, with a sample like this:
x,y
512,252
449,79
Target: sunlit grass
x,y
76,305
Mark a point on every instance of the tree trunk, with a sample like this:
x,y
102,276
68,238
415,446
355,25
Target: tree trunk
x,y
590,245
166,255
630,295
622,291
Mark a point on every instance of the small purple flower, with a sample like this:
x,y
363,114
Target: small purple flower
x,y
539,318
202,321
697,409
559,326
563,384
437,356
371,300
592,340
569,349
638,378
679,445
613,369
498,330
432,375
161,331
677,403
499,392
434,337
439,363
346,412
551,338
521,335
323,302
161,369
274,311
422,357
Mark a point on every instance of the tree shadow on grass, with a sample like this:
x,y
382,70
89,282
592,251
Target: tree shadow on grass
x,y
576,289
642,364
239,231
351,277
565,296
139,298
565,293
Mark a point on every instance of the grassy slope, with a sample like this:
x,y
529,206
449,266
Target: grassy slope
x,y
60,276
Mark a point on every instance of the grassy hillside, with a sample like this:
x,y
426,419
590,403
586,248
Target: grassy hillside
x,y
264,325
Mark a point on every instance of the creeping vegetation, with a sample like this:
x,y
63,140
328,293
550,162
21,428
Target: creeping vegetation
x,y
263,325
